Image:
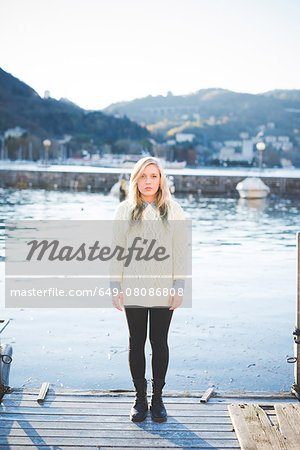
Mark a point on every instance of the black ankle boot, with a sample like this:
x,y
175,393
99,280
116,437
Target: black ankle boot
x,y
157,408
139,409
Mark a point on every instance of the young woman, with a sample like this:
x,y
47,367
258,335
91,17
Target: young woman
x,y
149,199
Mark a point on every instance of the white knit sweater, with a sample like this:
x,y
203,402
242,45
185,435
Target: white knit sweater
x,y
149,283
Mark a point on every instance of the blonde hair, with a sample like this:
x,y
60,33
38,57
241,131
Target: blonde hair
x,y
163,195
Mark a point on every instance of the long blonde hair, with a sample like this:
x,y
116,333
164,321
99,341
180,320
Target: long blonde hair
x,y
163,195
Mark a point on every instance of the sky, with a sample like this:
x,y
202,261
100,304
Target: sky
x,y
98,52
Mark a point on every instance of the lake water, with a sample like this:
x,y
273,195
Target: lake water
x,y
237,335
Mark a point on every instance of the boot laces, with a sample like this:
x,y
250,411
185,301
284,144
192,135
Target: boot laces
x,y
157,400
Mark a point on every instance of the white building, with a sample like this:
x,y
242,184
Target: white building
x,y
283,139
184,137
237,151
233,143
270,139
171,142
228,153
16,132
247,150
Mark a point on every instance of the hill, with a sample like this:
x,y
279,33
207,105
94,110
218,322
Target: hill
x,y
216,113
21,106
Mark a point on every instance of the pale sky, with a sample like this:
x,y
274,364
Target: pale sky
x,y
96,52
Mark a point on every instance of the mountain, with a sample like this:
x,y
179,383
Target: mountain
x,y
215,113
211,114
20,105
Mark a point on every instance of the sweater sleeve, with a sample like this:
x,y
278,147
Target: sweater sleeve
x,y
118,239
179,247
178,284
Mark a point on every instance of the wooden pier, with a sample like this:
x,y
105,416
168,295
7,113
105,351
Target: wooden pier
x,y
98,419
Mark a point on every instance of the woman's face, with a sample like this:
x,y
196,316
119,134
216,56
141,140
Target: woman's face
x,y
148,182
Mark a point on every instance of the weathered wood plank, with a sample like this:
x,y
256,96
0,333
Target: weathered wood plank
x,y
270,431
68,447
168,393
64,447
118,434
43,391
116,409
117,419
109,399
7,402
207,394
41,409
148,424
241,429
103,442
289,422
253,428
129,400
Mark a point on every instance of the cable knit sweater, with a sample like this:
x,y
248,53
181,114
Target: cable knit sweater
x,y
149,283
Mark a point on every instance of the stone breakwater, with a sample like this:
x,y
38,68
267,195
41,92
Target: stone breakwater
x,y
187,181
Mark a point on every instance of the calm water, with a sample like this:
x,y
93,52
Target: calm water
x,y
237,335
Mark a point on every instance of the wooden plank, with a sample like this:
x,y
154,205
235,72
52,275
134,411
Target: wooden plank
x,y
272,433
129,400
166,393
148,424
102,442
241,428
104,411
109,418
109,399
207,394
253,428
118,434
64,447
43,392
116,409
7,402
67,447
289,422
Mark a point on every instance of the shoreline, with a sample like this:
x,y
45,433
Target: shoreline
x,y
201,181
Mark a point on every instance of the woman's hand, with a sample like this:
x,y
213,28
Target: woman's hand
x,y
118,301
175,301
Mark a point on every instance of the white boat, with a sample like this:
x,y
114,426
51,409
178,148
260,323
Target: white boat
x,y
252,187
115,190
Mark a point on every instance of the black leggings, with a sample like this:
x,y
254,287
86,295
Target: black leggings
x,y
137,319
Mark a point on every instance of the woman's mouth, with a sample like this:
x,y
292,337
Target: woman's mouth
x,y
148,188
